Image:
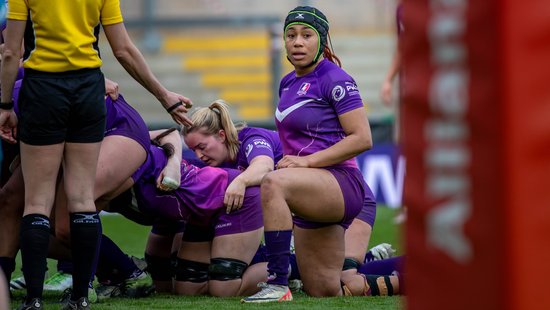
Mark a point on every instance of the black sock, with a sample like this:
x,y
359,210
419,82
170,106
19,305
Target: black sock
x,y
85,240
8,266
112,257
35,236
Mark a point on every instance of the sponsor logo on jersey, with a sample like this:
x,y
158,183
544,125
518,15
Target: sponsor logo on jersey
x,y
352,89
303,89
338,92
282,115
249,148
262,143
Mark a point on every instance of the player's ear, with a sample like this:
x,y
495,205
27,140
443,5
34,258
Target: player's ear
x,y
221,135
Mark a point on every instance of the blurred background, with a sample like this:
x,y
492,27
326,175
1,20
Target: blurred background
x,y
233,49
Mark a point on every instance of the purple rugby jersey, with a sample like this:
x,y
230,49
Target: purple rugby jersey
x,y
123,120
199,196
256,142
307,114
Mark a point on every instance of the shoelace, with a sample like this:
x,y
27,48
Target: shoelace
x,y
265,289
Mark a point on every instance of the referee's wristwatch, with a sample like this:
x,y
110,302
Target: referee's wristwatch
x,y
6,105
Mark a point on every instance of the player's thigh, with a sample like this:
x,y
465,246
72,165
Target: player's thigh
x,y
159,245
241,246
119,158
313,194
320,256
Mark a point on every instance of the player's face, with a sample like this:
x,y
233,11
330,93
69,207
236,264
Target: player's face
x,y
211,149
301,43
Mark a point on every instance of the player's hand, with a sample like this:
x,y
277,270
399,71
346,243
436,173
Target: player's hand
x,y
234,195
170,177
111,89
386,92
382,251
291,161
8,126
178,106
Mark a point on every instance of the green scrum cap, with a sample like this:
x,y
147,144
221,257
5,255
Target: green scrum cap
x,y
313,18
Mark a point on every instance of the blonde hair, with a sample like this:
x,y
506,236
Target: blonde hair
x,y
210,120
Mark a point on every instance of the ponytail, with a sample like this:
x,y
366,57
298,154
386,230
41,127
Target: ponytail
x,y
211,120
329,54
168,148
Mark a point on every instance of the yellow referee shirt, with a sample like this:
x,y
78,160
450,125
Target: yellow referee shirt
x,y
64,36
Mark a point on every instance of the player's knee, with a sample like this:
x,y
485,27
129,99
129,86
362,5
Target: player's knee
x,y
225,269
323,290
160,268
271,184
191,271
222,270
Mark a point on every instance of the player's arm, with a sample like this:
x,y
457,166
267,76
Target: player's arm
x,y
252,176
358,139
133,61
387,84
10,66
170,177
260,158
259,167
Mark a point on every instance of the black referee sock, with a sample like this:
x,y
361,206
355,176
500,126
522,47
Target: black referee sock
x,y
35,236
85,236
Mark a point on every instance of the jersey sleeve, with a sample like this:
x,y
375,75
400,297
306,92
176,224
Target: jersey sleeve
x,y
342,93
18,10
257,145
110,13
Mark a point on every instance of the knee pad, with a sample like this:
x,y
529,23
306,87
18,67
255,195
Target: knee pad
x,y
191,271
224,269
160,268
350,263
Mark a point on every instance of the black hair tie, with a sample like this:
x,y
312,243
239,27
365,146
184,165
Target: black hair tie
x,y
173,107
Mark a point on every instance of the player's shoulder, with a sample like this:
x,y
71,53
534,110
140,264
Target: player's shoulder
x,y
329,72
248,132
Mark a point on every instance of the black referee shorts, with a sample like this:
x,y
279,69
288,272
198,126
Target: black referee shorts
x,y
62,107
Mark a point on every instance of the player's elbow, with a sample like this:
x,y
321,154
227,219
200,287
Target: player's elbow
x,y
123,55
363,141
367,143
10,54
